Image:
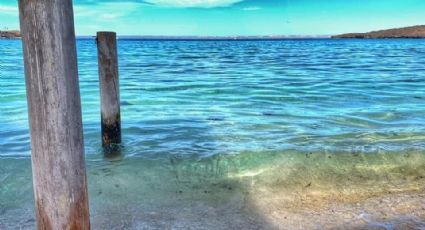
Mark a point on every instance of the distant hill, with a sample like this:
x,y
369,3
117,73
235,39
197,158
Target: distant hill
x,y
8,34
406,32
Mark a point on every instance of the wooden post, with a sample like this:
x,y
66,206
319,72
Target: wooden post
x,y
59,175
109,88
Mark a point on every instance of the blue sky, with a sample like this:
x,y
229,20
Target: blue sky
x,y
234,17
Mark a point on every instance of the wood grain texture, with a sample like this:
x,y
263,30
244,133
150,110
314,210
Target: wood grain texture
x,y
58,165
109,88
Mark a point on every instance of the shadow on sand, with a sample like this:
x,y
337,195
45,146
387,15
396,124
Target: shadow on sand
x,y
190,188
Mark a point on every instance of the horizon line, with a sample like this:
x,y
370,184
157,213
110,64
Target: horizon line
x,y
212,37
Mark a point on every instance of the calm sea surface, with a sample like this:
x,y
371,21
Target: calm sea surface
x,y
200,117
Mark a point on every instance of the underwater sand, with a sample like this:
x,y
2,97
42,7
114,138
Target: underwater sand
x,y
282,191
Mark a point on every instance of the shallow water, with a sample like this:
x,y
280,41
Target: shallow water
x,y
241,134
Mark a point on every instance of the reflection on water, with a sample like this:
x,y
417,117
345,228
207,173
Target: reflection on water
x,y
305,134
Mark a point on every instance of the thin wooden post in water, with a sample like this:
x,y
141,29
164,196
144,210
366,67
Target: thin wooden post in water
x,y
58,167
109,88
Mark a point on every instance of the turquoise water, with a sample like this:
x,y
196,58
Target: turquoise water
x,y
207,98
207,123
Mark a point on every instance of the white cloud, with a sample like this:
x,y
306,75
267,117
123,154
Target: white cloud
x,y
11,10
106,11
193,3
251,8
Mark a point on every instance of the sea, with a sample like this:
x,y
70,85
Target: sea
x,y
282,134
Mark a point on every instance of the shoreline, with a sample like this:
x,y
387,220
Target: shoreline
x,y
237,191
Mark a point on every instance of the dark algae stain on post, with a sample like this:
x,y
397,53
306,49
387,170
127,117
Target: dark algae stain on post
x,y
111,131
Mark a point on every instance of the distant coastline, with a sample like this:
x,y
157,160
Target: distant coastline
x,y
212,38
10,34
405,32
15,34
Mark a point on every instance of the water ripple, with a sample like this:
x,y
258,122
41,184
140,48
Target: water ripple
x,y
208,98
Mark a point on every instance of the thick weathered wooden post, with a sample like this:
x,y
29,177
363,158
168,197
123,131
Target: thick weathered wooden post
x,y
59,175
109,88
